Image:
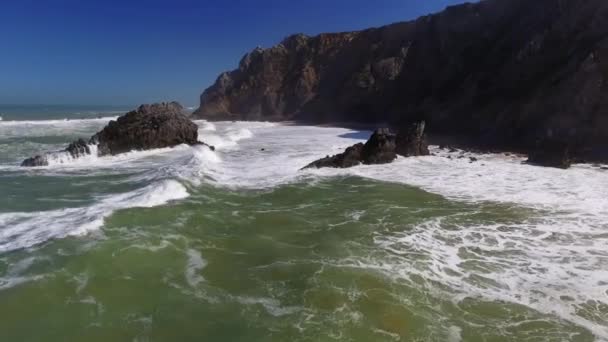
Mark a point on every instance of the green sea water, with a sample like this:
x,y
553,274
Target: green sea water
x,y
298,263
240,246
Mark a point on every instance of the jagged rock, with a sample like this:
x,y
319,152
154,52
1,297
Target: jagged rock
x,y
493,71
148,127
551,152
412,141
352,156
379,149
35,161
78,148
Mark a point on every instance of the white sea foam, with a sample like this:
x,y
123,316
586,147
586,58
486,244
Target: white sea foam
x,y
56,122
43,128
551,262
560,250
21,230
64,157
193,267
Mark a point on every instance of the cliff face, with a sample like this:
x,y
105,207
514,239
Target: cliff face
x,y
501,72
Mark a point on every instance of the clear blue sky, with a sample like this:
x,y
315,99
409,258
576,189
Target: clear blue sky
x,y
130,52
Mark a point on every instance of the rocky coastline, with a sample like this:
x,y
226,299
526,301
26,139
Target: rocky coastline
x,y
501,73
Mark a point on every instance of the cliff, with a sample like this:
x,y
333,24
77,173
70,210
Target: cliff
x,y
503,73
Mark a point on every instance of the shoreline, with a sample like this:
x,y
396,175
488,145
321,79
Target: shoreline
x,y
448,141
461,142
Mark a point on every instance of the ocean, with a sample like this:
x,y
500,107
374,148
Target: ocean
x,y
187,244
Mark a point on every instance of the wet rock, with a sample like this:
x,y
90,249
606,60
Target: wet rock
x,y
551,151
472,159
78,148
412,141
35,161
150,126
352,156
380,148
200,143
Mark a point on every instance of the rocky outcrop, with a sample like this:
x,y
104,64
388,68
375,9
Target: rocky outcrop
x,y
352,156
35,161
381,148
552,151
148,127
78,148
412,141
496,72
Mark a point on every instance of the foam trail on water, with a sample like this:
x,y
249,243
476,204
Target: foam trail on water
x,y
41,128
551,261
21,230
55,122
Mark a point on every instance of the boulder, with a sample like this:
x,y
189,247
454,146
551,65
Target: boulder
x,y
412,141
150,126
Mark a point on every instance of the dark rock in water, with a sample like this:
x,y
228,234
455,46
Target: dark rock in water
x,y
78,148
472,159
352,156
150,126
551,151
200,143
412,141
380,148
35,161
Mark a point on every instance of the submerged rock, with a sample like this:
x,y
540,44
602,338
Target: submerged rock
x,y
35,161
148,127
